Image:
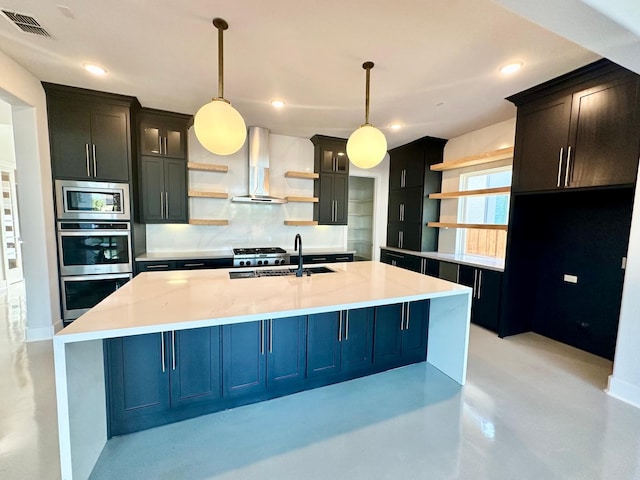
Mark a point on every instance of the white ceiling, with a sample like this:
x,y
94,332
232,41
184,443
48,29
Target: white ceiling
x,y
436,61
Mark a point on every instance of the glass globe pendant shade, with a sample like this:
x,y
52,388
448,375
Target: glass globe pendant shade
x,y
219,127
366,147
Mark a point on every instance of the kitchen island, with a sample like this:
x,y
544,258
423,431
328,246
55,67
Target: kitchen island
x,y
184,300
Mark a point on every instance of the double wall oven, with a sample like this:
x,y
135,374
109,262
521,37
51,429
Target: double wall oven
x,y
94,242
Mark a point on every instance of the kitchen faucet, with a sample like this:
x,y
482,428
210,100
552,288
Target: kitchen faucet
x,y
297,246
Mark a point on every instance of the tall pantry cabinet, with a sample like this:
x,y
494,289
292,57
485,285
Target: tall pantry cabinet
x,y
575,165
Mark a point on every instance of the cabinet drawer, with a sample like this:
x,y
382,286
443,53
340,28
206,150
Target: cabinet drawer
x,y
156,266
203,263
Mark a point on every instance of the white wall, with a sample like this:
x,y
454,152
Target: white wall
x,y
625,381
494,137
31,136
259,225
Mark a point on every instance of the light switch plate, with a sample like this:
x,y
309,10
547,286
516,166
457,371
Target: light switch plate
x,y
570,278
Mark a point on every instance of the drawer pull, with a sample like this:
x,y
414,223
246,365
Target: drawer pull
x,y
164,265
194,264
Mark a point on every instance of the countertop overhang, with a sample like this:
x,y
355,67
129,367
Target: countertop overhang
x,y
177,300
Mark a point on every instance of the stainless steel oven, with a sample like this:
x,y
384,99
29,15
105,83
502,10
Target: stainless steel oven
x,y
82,292
81,200
86,248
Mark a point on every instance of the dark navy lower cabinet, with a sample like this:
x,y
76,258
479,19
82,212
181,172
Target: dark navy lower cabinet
x,y
195,366
339,342
159,378
263,355
244,362
400,335
153,378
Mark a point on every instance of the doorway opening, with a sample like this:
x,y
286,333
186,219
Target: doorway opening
x,y
360,222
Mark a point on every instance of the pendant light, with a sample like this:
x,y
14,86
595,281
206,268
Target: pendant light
x,y
218,126
366,146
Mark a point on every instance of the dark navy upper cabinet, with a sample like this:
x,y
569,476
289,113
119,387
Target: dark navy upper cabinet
x,y
195,366
400,334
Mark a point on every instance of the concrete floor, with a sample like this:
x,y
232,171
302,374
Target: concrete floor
x,y
531,409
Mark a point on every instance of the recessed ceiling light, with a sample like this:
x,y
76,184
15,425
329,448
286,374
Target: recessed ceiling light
x,y
277,103
95,69
510,68
395,126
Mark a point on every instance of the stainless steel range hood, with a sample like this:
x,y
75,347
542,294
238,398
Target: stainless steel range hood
x,y
258,139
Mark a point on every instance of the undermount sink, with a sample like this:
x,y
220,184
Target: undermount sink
x,y
270,272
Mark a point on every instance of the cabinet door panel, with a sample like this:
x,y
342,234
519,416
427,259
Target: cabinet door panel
x,y
287,351
414,336
196,377
486,309
604,135
541,132
138,388
175,143
357,343
387,339
109,133
323,348
175,184
70,133
150,139
325,204
152,182
243,354
341,196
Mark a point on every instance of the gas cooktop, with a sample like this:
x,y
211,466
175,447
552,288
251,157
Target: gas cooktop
x,y
256,257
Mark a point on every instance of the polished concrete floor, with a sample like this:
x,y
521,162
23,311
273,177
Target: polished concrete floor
x,y
531,409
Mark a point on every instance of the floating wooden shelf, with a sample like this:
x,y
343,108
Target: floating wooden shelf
x,y
472,160
202,221
301,223
207,167
472,193
480,226
303,175
302,199
194,193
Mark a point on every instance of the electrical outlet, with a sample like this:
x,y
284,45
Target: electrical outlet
x,y
570,278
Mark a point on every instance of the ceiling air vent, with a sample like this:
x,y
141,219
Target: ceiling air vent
x,y
26,23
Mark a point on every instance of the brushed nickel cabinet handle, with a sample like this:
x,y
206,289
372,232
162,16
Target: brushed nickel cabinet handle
x,y
166,204
479,284
475,281
566,173
165,146
173,349
340,327
95,168
346,327
402,317
162,354
194,264
160,265
408,310
560,166
160,144
261,337
86,154
271,335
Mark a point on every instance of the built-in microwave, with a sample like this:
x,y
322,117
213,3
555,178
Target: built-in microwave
x,y
81,200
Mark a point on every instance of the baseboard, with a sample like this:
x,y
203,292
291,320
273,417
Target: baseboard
x,y
624,391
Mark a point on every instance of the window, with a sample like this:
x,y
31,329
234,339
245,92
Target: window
x,y
484,209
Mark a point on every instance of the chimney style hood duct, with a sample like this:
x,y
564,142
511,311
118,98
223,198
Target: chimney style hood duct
x,y
258,139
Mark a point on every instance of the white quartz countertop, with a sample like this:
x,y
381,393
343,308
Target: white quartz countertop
x,y
496,264
176,300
